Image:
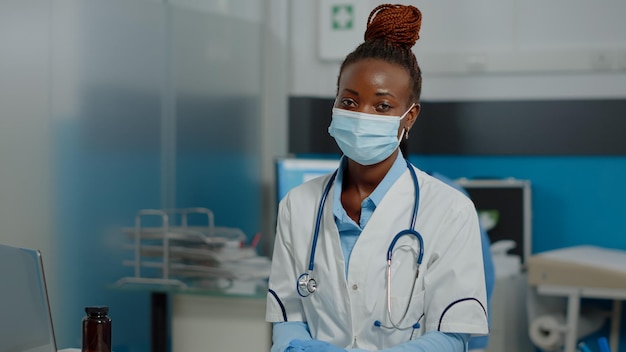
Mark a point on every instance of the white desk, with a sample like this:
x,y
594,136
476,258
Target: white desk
x,y
201,318
205,323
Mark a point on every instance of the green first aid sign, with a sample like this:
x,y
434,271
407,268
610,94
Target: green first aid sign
x,y
342,17
340,26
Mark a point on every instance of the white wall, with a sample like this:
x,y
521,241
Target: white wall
x,y
275,89
24,82
25,194
488,49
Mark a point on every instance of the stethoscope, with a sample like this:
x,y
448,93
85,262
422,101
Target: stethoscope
x,y
306,284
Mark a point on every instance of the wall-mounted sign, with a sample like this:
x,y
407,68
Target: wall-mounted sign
x,y
341,24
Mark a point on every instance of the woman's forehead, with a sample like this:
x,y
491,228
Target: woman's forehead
x,y
371,75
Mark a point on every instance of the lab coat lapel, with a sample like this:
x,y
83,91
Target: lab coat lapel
x,y
329,251
331,309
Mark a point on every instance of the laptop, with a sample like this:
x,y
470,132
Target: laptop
x,y
25,319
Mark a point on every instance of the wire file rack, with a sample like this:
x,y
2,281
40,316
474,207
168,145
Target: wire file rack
x,y
168,250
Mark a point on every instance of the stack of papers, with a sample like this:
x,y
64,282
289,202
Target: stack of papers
x,y
193,255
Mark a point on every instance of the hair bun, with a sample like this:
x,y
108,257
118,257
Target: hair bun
x,y
395,24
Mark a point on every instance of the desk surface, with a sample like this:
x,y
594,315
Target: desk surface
x,y
225,288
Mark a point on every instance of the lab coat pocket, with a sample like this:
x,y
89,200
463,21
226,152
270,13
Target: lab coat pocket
x,y
406,311
404,330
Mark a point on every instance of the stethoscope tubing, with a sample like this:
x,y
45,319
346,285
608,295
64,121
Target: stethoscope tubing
x,y
415,234
318,221
417,195
411,231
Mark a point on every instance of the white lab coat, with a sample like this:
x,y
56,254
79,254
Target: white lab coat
x,y
449,295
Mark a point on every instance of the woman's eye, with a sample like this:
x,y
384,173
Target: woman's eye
x,y
346,103
383,107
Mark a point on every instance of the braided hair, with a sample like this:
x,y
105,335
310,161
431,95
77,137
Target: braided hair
x,y
392,30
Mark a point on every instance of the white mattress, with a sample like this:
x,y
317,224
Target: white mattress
x,y
580,266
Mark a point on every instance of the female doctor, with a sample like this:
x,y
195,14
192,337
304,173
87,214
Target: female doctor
x,y
378,256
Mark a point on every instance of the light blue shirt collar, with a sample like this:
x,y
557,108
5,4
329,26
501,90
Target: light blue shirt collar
x,y
394,173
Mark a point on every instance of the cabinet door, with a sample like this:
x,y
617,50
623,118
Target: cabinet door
x,y
201,323
509,320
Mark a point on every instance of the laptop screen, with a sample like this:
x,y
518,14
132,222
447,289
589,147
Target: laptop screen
x,y
25,322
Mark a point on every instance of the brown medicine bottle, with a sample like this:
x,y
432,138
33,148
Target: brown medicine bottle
x,y
96,330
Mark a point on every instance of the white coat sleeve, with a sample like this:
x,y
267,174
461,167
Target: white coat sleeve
x,y
283,302
454,280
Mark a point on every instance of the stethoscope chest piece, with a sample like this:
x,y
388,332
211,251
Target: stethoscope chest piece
x,y
306,285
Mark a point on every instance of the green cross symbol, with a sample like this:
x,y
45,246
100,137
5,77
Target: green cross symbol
x,y
342,17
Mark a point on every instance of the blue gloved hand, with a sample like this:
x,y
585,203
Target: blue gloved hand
x,y
312,346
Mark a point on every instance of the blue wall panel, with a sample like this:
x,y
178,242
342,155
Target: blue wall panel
x,y
97,193
226,183
575,200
